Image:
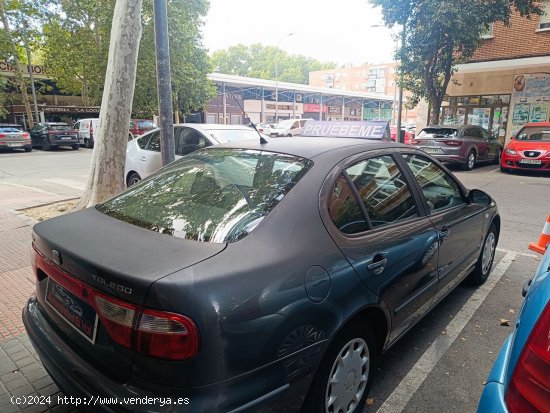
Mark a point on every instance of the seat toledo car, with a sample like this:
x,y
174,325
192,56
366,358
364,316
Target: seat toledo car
x,y
249,274
462,145
529,149
143,156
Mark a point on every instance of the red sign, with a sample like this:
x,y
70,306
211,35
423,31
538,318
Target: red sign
x,y
314,107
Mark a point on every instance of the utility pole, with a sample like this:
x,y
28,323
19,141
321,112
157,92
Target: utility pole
x,y
164,84
30,69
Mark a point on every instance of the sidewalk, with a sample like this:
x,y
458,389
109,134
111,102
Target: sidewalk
x,y
21,372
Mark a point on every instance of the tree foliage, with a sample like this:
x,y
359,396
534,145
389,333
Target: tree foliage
x,y
438,35
76,43
263,61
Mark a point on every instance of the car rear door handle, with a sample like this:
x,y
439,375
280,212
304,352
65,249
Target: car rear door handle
x,y
444,233
379,261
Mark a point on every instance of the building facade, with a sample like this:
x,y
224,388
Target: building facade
x,y
377,79
507,82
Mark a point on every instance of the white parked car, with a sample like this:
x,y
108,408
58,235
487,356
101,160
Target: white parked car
x,y
288,127
143,155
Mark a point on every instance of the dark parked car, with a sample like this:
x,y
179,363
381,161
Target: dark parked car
x,y
13,136
51,135
248,273
464,145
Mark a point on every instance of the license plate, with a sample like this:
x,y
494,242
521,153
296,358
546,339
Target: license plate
x,y
531,161
432,150
66,137
77,313
15,144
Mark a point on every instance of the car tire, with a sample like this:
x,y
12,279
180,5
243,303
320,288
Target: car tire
x,y
503,169
45,144
470,161
497,158
88,144
486,257
133,178
356,344
28,148
76,147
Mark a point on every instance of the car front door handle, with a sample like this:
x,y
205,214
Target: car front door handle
x,y
378,263
143,158
444,233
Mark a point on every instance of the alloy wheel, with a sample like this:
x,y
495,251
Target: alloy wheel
x,y
488,252
471,160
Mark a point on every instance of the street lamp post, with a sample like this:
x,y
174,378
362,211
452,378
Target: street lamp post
x,y
277,76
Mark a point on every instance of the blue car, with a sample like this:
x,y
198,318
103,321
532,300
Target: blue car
x,y
520,379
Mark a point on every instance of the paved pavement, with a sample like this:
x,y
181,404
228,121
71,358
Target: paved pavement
x,y
21,373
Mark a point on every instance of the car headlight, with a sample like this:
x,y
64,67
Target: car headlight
x,y
510,151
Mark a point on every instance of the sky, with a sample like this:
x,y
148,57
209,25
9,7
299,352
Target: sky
x,y
338,32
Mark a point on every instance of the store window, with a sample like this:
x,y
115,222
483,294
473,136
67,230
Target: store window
x,y
487,33
545,18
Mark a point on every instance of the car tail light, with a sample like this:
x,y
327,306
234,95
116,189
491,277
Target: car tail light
x,y
414,142
155,333
26,135
2,136
529,388
167,335
117,318
453,142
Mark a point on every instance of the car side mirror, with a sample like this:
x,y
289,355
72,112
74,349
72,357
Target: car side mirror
x,y
477,196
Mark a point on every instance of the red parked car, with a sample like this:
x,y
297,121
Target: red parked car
x,y
529,149
139,126
409,136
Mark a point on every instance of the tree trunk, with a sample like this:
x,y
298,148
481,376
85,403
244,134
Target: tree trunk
x,y
106,177
19,67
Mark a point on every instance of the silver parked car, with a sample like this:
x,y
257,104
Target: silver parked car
x,y
465,145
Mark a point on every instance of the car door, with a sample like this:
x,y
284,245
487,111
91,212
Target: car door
x,y
150,158
76,127
378,225
188,140
459,223
493,145
482,144
36,133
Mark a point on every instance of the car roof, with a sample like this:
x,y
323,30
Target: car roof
x,y
309,147
449,126
57,123
213,126
15,125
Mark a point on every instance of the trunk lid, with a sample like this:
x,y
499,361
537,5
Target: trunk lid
x,y
86,252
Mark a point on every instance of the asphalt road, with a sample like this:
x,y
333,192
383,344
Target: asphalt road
x,y
441,364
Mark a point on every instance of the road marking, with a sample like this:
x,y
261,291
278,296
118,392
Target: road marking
x,y
524,254
67,182
402,394
30,187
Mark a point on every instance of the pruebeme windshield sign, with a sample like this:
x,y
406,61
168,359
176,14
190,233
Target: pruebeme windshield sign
x,y
348,129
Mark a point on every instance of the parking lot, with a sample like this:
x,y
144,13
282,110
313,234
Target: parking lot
x,y
440,365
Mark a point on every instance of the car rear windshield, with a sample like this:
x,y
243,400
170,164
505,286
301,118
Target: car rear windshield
x,y
9,129
231,135
212,195
437,133
59,127
534,133
146,124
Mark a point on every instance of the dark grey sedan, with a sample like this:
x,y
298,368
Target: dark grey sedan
x,y
463,145
247,275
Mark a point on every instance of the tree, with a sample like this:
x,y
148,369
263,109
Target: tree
x,y
439,35
106,176
260,61
76,42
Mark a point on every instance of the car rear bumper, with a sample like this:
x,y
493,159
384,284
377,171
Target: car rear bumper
x,y
75,377
14,143
63,142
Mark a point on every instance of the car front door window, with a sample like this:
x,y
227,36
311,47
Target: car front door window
x,y
154,142
439,189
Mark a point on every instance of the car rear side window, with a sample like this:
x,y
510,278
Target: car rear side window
x,y
217,195
439,189
383,190
344,209
188,140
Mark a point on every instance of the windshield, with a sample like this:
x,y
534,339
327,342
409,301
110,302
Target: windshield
x,y
534,133
437,133
230,135
285,124
215,195
59,127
